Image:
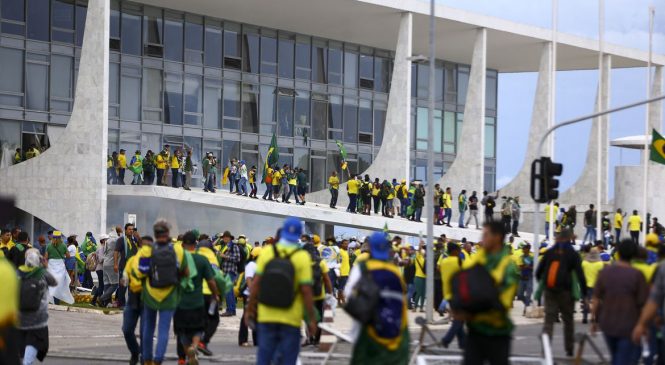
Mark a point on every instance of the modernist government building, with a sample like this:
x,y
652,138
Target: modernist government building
x,y
85,78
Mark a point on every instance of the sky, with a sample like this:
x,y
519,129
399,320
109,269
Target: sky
x,y
626,24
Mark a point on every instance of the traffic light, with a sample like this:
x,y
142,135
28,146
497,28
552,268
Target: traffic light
x,y
544,179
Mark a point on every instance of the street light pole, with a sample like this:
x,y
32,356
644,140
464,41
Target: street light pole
x,y
429,206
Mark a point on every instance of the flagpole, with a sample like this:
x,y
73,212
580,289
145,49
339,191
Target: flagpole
x,y
429,207
645,154
601,120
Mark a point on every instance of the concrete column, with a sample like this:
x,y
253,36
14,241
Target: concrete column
x,y
520,185
468,169
393,158
583,191
656,109
66,185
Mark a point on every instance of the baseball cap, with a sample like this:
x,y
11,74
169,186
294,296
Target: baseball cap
x,y
316,239
379,247
291,229
57,234
103,236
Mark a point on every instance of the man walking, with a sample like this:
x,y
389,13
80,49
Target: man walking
x,y
618,224
352,190
463,206
447,206
230,258
590,225
516,212
122,166
473,210
489,202
125,247
635,227
558,266
188,169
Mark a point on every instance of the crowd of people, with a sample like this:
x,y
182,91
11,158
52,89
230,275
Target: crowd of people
x,y
32,151
286,280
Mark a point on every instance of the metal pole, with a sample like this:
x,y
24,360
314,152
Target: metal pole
x,y
552,114
599,127
429,207
645,153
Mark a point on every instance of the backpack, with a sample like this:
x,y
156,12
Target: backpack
x,y
474,291
91,262
163,266
278,281
317,276
243,258
556,271
400,192
32,291
361,304
364,189
490,203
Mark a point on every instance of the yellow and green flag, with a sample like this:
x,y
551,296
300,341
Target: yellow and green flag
x,y
342,152
271,157
657,148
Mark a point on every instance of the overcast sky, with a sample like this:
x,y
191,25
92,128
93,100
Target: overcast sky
x,y
626,23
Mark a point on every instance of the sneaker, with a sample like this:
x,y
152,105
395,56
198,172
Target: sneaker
x,y
204,349
227,314
191,356
182,362
134,360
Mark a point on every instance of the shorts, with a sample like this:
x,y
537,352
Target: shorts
x,y
70,263
37,338
301,190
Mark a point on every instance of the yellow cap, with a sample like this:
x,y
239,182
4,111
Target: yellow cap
x,y
403,181
316,239
652,239
256,251
242,240
57,234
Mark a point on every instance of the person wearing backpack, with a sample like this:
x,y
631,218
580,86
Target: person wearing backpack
x,y
366,195
281,292
562,277
133,308
376,300
160,268
230,257
489,202
321,288
17,253
489,281
448,267
33,307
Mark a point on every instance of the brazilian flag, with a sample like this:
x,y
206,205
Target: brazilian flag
x,y
342,152
271,157
657,148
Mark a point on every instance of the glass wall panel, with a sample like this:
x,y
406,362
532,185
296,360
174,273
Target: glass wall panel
x,y
438,82
335,115
421,129
490,138
152,26
130,93
268,55
285,115
366,67
173,99
319,64
194,144
37,86
301,159
212,105
81,12
458,133
438,131
286,48
231,105
114,83
423,81
303,61
350,69
194,41
250,108
11,76
335,62
10,140
364,161
462,84
319,119
490,90
450,83
302,108
62,20
350,120
213,46
379,122
268,110
365,116
250,49
152,89
173,39
381,74
38,20
131,33
152,142
230,149
114,31
318,175
231,43
13,10
193,99
62,68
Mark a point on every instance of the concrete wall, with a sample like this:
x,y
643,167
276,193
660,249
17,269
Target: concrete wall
x,y
66,185
628,188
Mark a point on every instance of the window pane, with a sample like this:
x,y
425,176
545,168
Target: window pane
x,y
193,98
81,13
231,99
458,133
319,64
114,31
379,122
61,76
366,67
285,116
212,106
365,116
173,99
319,119
438,83
114,83
462,84
335,66
250,61
13,10
490,91
421,129
231,44
303,61
11,72
438,131
36,86
350,120
152,26
131,31
130,96
318,175
335,115
152,88
449,127
423,81
350,69
231,150
489,141
173,35
38,20
62,14
450,84
193,36
268,55
213,47
286,58
302,108
250,109
381,74
268,105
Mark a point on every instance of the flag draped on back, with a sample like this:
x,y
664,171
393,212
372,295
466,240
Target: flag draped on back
x,y
271,157
657,148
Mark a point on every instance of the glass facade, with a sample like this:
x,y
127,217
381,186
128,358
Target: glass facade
x,y
219,86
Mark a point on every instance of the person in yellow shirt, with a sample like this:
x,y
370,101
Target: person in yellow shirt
x,y
618,224
122,166
591,266
344,268
319,295
420,279
162,162
550,218
276,182
6,242
635,227
448,267
269,305
447,206
333,185
352,189
176,161
133,307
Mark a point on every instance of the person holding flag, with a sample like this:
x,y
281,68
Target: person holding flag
x,y
136,167
272,157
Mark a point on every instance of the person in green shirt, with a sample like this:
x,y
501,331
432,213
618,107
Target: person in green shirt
x,y
463,206
88,247
190,317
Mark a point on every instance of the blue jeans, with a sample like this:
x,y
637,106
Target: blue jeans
x,y
404,205
130,318
456,330
111,176
148,322
524,291
419,213
461,218
243,186
410,292
591,233
230,297
210,182
292,190
447,215
268,193
352,203
279,344
547,230
232,181
623,350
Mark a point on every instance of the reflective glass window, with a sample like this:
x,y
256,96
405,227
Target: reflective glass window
x,y
449,132
490,138
231,149
250,108
231,44
268,55
173,39
350,69
38,20
364,161
450,83
286,49
365,116
36,86
319,64
62,20
421,129
213,46
193,99
379,122
130,93
350,120
11,76
250,60
438,82
285,115
13,10
131,34
318,175
302,108
152,88
173,99
62,68
268,110
194,41
335,62
381,74
423,81
319,119
335,114
81,13
437,137
212,105
114,31
462,84
152,26
231,105
366,67
114,83
490,90
303,61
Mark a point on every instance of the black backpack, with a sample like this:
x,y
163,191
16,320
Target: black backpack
x,y
278,281
243,257
490,203
400,192
365,190
361,304
32,291
163,266
474,291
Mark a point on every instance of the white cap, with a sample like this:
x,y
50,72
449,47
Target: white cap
x,y
103,236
